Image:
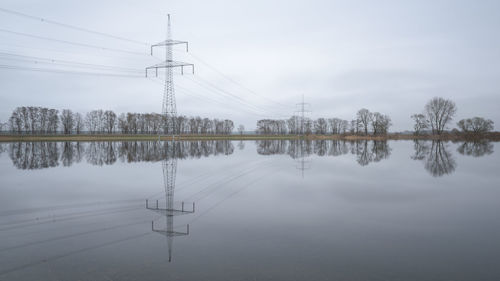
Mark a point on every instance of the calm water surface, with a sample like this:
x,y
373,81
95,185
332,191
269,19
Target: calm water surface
x,y
267,210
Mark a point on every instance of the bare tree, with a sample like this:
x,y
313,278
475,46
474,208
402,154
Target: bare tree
x,y
228,126
421,123
344,126
335,125
109,121
67,121
293,125
92,121
123,124
440,112
476,125
380,123
364,116
320,126
79,123
241,129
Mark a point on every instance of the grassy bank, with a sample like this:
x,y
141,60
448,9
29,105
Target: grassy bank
x,y
117,137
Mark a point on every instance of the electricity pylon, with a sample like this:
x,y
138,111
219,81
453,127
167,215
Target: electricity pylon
x,y
169,107
169,166
301,113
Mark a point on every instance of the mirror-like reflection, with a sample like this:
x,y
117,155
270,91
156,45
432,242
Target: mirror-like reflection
x,y
169,166
34,155
365,151
97,219
476,148
39,155
437,157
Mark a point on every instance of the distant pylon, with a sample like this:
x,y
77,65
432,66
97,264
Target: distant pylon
x,y
301,115
169,107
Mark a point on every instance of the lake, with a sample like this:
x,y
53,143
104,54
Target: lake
x,y
253,210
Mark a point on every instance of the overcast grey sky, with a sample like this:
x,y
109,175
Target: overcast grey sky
x,y
387,56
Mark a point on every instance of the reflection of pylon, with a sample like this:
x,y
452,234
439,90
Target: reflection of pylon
x,y
303,161
303,165
169,171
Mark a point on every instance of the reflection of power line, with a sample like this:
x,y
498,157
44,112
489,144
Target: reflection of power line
x,y
232,194
60,207
60,218
206,191
35,263
61,237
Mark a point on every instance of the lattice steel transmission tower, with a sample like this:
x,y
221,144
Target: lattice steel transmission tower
x,y
301,112
169,107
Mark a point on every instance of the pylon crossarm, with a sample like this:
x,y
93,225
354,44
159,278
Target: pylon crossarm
x,y
170,64
170,42
170,233
170,212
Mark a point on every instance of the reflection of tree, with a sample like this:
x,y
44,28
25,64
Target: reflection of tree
x,y
2,148
299,148
440,161
100,153
421,150
269,147
370,151
320,147
364,155
34,155
71,152
338,148
476,148
380,150
67,153
366,151
39,155
241,145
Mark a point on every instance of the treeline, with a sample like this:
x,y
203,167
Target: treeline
x,y
41,120
365,123
439,113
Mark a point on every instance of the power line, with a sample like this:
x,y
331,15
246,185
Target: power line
x,y
70,42
215,89
234,81
258,109
37,60
14,67
209,99
44,20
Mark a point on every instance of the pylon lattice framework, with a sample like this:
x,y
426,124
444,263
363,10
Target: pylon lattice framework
x,y
169,107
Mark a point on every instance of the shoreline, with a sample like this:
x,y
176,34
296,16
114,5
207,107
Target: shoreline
x,y
495,136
